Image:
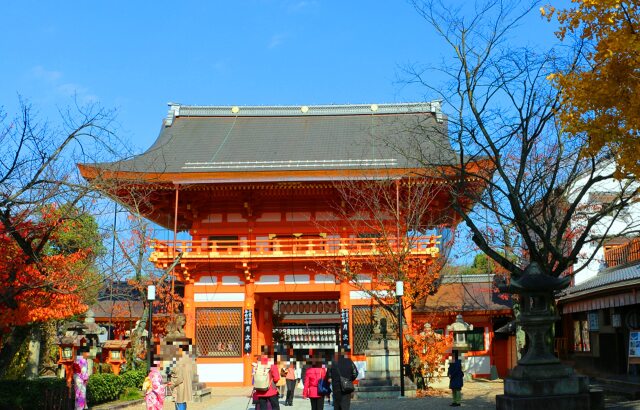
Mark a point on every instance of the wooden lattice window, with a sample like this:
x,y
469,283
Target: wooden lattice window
x,y
363,326
219,332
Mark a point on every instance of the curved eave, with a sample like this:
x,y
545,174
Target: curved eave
x,y
91,172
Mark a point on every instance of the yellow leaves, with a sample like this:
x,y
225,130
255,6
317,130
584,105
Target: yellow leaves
x,y
600,99
551,76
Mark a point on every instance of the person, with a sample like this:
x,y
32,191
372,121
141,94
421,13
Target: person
x,y
282,383
342,367
312,378
270,395
153,390
80,377
456,375
291,384
182,375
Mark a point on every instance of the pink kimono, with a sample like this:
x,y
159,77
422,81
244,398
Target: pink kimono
x,y
154,390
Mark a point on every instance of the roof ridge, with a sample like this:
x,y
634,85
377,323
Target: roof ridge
x,y
180,110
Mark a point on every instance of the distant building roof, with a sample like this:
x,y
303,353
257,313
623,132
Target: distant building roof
x,y
118,309
206,139
460,293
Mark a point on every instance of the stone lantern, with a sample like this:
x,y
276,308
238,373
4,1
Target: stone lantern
x,y
459,329
115,352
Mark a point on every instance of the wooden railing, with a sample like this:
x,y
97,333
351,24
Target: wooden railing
x,y
288,248
623,254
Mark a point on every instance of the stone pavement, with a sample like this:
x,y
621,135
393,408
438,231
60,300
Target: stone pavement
x,y
475,395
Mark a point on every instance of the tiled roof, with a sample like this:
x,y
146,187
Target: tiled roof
x,y
465,293
121,309
196,139
607,278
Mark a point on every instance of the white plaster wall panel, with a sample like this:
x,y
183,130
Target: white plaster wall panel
x,y
323,278
363,278
268,280
235,217
270,217
477,365
213,218
218,297
207,280
297,279
358,294
298,216
232,280
326,216
220,372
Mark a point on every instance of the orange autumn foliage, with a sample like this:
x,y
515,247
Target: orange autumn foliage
x,y
38,290
427,350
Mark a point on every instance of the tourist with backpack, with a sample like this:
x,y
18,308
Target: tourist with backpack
x,y
264,384
316,385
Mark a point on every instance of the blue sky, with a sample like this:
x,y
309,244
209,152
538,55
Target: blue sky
x,y
136,56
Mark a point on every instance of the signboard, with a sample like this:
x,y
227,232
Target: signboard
x,y
634,344
248,319
634,348
344,330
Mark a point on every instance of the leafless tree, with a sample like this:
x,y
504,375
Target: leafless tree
x,y
533,187
400,230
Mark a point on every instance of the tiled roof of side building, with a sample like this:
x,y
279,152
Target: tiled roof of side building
x,y
607,279
465,293
197,139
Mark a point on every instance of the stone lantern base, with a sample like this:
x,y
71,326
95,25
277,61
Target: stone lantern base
x,y
545,386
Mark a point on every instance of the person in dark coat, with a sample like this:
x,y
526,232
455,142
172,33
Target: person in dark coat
x,y
456,375
344,367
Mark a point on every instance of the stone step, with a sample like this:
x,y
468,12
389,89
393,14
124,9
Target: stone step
x,y
201,395
382,392
389,381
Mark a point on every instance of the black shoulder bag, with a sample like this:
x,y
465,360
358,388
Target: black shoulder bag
x,y
346,384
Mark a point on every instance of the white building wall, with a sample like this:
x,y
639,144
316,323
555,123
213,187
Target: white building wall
x,y
628,220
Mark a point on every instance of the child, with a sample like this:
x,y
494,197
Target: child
x,y
455,379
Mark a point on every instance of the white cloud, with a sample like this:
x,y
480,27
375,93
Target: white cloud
x,y
53,81
302,5
44,74
276,40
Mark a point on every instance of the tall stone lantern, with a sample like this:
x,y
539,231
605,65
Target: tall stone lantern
x,y
540,380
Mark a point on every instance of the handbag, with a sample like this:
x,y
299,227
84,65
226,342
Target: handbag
x,y
346,384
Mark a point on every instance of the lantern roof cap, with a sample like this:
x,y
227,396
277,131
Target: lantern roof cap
x,y
459,325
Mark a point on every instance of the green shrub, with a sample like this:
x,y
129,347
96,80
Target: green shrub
x,y
131,393
133,378
48,393
103,387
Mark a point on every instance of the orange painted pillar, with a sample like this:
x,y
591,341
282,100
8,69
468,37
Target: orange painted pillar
x,y
345,303
249,303
190,309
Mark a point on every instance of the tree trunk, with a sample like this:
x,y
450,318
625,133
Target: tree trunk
x,y
10,347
